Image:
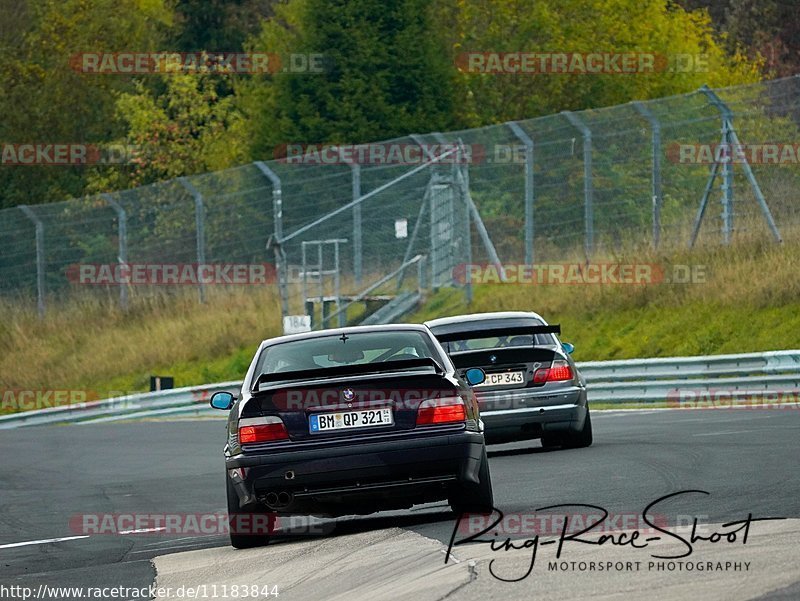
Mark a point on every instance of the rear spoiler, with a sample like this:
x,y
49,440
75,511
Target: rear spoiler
x,y
347,370
498,331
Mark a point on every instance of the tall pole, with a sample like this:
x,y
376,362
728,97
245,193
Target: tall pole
x,y
588,186
122,234
523,137
200,228
40,284
655,128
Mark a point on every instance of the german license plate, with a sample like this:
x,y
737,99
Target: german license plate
x,y
503,379
344,420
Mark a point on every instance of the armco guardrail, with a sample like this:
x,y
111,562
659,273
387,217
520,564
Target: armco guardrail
x,y
176,401
630,380
660,379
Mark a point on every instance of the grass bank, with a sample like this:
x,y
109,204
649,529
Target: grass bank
x,y
749,301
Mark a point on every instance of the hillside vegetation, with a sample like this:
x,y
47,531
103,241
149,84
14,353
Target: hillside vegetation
x,y
750,302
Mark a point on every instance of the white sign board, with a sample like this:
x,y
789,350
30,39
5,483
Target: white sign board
x,y
296,324
401,228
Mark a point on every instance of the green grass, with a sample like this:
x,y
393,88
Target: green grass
x,y
750,302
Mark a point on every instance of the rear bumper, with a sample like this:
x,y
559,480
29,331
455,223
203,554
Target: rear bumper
x,y
364,477
521,414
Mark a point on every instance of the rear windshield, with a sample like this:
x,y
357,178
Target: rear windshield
x,y
342,350
468,343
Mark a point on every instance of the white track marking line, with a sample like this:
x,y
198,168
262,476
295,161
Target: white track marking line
x,y
453,558
42,542
141,530
724,433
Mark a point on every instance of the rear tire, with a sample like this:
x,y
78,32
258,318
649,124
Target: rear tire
x,y
237,519
582,438
475,498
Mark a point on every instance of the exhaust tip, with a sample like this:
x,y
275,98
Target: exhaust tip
x,y
284,498
271,499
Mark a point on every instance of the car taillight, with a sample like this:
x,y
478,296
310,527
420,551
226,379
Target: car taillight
x,y
261,429
558,371
441,411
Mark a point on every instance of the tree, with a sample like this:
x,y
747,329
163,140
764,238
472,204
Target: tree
x,y
183,129
581,26
386,74
218,25
43,100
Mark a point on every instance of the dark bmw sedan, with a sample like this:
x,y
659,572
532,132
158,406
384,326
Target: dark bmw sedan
x,y
352,421
532,389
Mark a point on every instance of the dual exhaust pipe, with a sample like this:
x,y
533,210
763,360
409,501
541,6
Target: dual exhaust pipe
x,y
278,500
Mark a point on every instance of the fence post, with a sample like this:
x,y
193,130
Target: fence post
x,y
199,220
122,226
355,170
731,140
727,166
523,137
40,284
468,294
277,236
655,128
588,186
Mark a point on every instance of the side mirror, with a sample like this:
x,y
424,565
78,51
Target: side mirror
x,y
222,400
568,347
475,376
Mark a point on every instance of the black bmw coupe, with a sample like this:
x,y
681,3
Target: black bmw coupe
x,y
352,421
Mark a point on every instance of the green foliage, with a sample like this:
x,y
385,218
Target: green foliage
x,y
187,128
44,100
385,74
217,25
580,26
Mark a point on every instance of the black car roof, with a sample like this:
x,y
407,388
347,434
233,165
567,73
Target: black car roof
x,y
348,330
466,323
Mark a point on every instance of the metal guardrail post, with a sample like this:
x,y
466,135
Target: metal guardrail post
x,y
655,128
199,221
588,185
40,283
277,216
122,234
529,191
